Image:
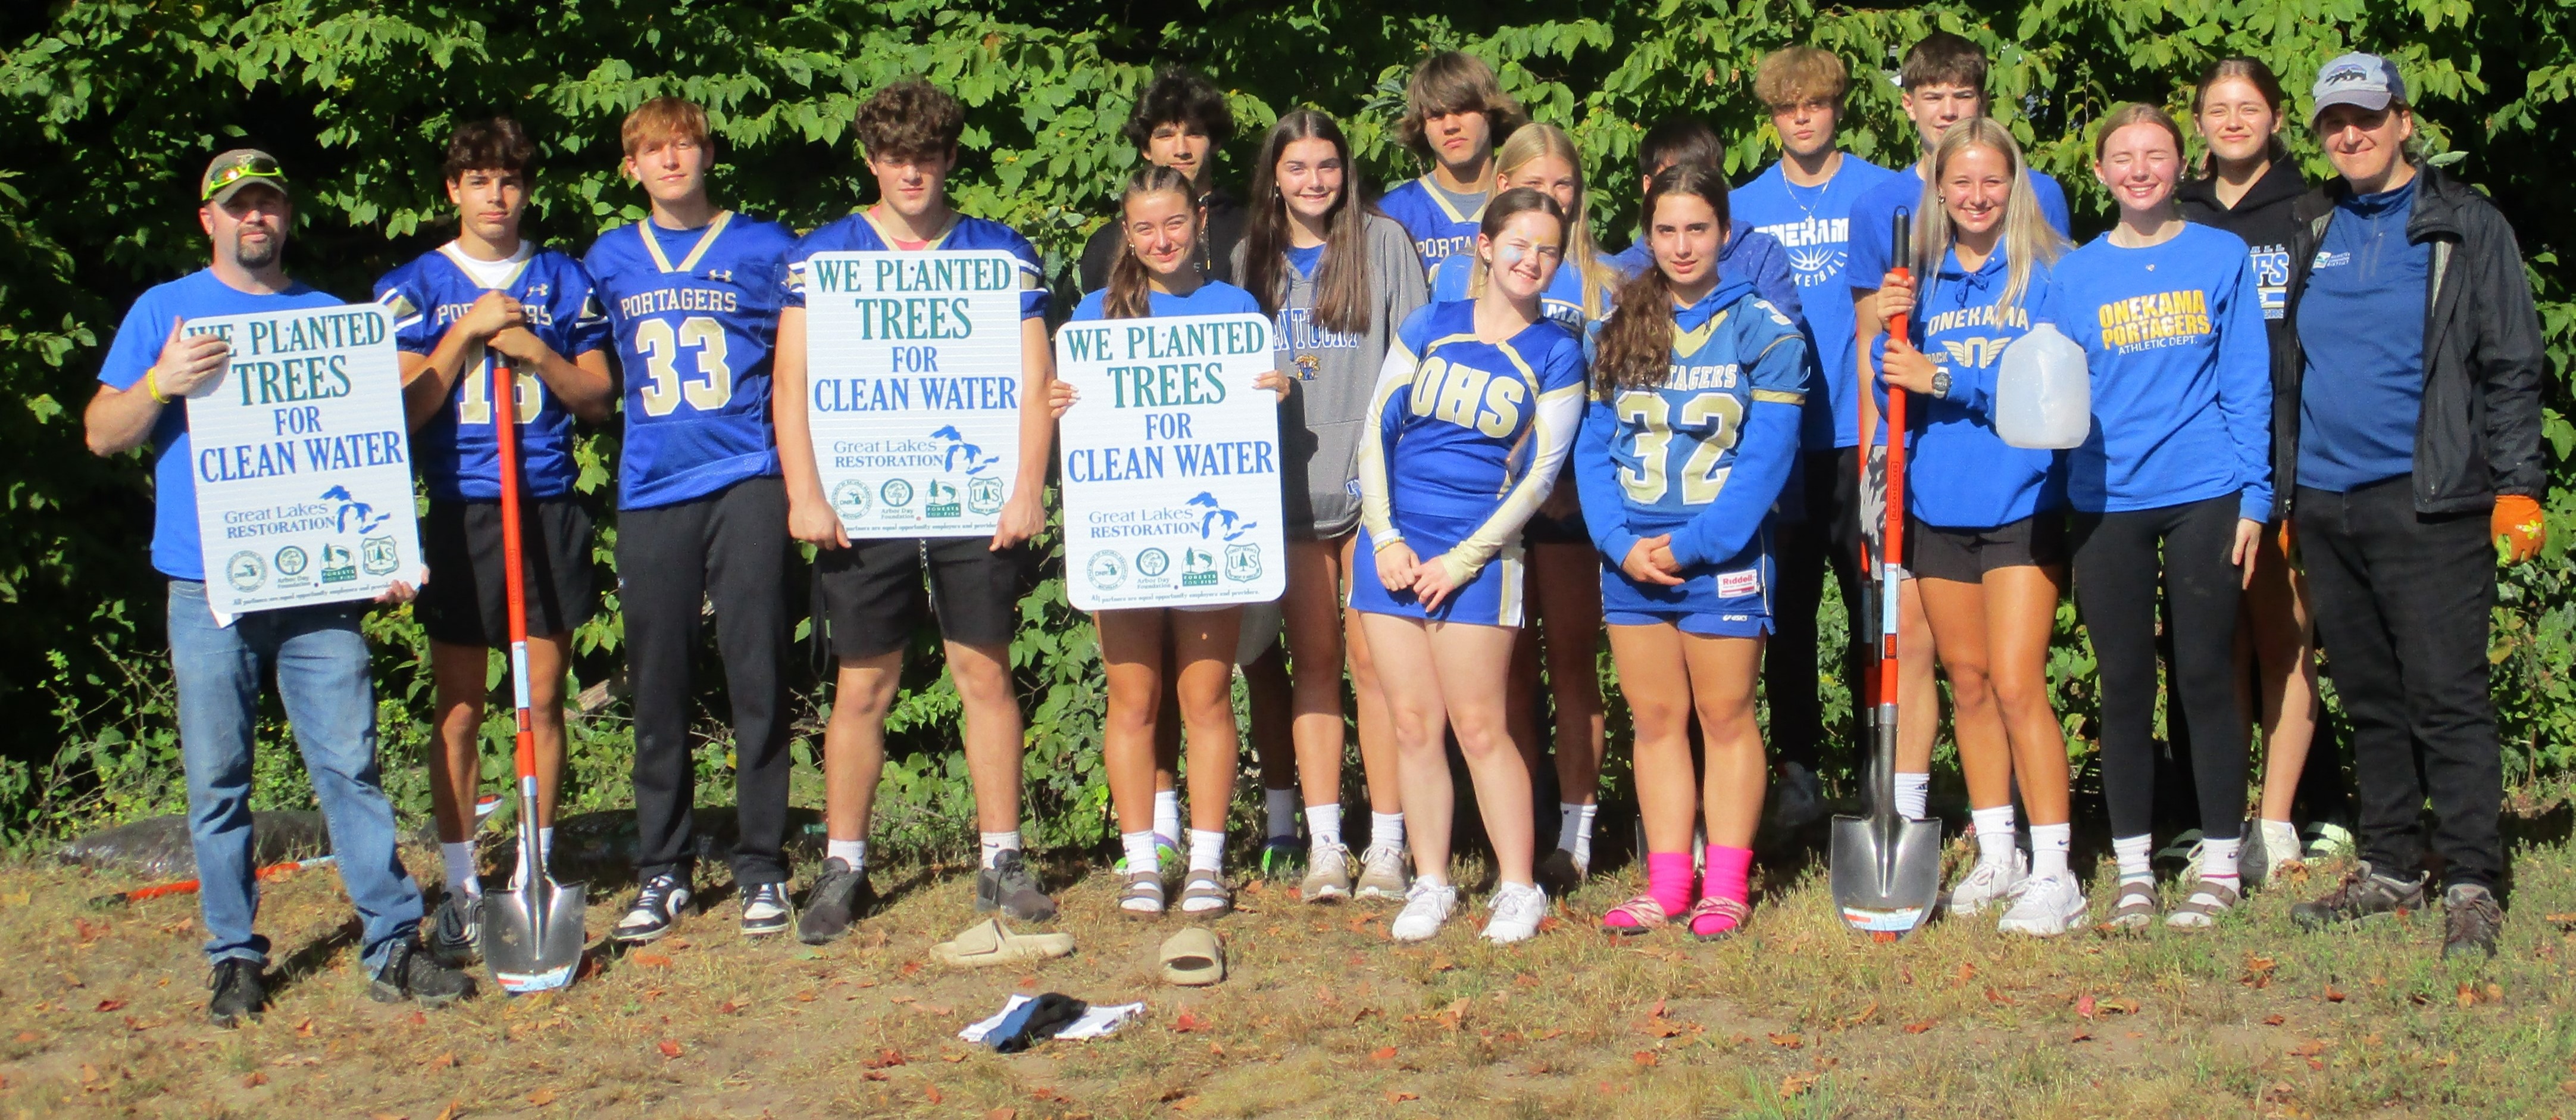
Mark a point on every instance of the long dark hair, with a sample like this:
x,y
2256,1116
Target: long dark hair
x,y
1636,348
1129,296
2265,82
1342,295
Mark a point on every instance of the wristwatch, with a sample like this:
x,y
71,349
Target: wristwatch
x,y
1941,382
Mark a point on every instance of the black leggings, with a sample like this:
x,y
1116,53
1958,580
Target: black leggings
x,y
2116,564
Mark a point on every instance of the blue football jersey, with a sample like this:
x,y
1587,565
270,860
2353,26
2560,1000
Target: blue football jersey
x,y
695,314
1469,433
1439,231
458,458
858,233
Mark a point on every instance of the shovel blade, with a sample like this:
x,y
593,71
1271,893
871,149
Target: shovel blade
x,y
1886,873
521,960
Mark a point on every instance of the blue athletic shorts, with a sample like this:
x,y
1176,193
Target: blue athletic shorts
x,y
1731,599
1493,598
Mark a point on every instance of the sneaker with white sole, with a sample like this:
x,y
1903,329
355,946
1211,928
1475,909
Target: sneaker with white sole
x,y
658,907
2328,840
1382,875
1427,906
1517,908
2046,906
456,934
2272,854
1328,874
1987,885
766,909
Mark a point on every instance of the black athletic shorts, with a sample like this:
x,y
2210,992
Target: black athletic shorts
x,y
1569,529
873,595
466,601
1966,555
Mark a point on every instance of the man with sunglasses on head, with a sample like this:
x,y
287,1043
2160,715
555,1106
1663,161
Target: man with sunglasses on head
x,y
317,652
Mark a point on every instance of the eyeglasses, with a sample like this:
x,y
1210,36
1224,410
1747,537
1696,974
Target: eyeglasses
x,y
256,167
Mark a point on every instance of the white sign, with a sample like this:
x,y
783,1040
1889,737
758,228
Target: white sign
x,y
912,383
1171,463
303,461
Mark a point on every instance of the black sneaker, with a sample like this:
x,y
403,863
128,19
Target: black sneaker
x,y
1560,874
2471,918
456,934
837,900
240,992
766,909
1010,887
657,908
409,973
2362,894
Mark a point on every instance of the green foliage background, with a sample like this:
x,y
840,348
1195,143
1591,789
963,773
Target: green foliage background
x,y
112,106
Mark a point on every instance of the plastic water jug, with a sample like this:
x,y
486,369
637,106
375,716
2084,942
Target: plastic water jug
x,y
2043,392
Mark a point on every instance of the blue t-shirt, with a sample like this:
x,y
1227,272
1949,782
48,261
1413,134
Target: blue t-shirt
x,y
1215,297
1439,226
1961,475
1814,225
1562,301
695,314
1453,436
858,233
2361,325
1304,260
2181,367
1703,455
138,341
459,459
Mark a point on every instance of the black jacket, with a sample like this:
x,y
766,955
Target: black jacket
x,y
2263,219
1225,218
2479,433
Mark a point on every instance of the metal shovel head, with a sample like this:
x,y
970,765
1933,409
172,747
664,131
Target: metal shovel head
x,y
1886,872
521,957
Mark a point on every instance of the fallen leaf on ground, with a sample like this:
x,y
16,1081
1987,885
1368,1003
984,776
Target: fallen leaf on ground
x,y
1787,1041
1862,1016
933,1093
1005,1112
1918,1028
443,1061
652,960
542,1097
1382,1053
29,1036
2309,1049
1646,1058
2084,1005
1966,972
952,1057
886,1057
2468,996
1399,1096
2082,1034
1993,996
110,1004
2274,1020
806,996
256,1079
2333,994
728,1007
874,1075
1187,1022
305,1028
668,1048
451,1112
1797,1084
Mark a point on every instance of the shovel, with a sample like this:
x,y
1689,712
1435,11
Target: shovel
x,y
1887,868
532,932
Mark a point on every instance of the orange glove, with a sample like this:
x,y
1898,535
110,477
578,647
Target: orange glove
x,y
2518,527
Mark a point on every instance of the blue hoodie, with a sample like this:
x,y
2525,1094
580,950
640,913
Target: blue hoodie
x,y
2181,369
1961,475
1703,455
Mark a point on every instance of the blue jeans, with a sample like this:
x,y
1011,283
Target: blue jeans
x,y
321,663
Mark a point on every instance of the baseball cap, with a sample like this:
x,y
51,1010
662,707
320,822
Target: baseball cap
x,y
231,171
2360,79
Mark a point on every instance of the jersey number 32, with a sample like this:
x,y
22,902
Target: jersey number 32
x,y
1710,419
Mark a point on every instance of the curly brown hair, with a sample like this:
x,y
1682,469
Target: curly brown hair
x,y
498,144
1456,82
911,119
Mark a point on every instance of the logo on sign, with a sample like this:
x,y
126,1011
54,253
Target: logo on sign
x,y
850,498
1243,562
942,501
1198,568
1217,522
984,495
897,493
1107,570
961,455
290,561
378,555
339,565
245,572
1153,562
366,519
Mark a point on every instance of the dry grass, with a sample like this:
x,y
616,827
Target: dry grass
x,y
103,1014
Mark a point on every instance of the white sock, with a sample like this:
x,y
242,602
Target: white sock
x,y
996,843
1386,830
2218,859
460,869
1167,814
1913,791
2048,847
1207,850
1574,830
1994,834
2134,854
1141,855
1324,825
1280,806
852,852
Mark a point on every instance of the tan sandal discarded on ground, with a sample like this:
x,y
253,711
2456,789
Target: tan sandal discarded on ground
x,y
987,943
1194,957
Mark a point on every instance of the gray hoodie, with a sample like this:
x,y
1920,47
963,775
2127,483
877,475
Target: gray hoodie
x,y
1322,421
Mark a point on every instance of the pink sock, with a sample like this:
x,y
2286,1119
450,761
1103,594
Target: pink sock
x,y
1668,879
1729,870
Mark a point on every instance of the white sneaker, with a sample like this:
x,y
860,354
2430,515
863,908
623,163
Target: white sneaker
x,y
2271,853
1988,884
2046,906
2328,841
1518,908
1426,905
1382,874
1328,874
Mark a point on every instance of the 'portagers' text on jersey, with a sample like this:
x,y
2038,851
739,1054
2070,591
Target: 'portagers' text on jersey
x,y
695,314
457,456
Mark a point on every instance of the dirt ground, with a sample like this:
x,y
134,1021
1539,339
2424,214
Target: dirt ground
x,y
102,1013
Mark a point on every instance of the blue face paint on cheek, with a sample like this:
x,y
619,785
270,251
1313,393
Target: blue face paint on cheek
x,y
1510,255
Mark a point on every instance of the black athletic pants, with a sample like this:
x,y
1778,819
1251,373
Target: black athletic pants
x,y
2403,605
1830,536
2118,558
730,548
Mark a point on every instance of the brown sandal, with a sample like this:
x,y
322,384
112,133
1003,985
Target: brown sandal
x,y
1143,897
2208,900
2134,908
1203,886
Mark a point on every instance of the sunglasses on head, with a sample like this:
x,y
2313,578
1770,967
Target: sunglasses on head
x,y
256,167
